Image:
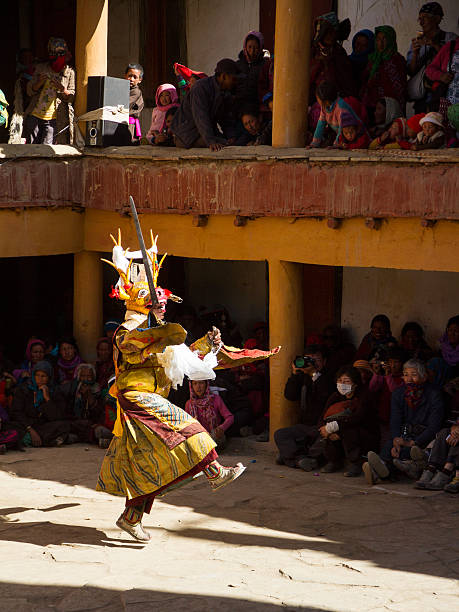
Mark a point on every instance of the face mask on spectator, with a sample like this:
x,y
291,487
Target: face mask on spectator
x,y
343,388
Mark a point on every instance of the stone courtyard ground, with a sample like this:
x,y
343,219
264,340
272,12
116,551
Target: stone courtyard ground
x,y
275,539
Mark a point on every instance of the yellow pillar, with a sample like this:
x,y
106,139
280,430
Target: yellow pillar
x,y
87,302
90,46
286,328
291,72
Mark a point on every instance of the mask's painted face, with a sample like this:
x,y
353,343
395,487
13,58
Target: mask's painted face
x,y
139,297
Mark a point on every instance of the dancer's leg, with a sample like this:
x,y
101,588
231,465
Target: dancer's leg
x,y
219,475
131,522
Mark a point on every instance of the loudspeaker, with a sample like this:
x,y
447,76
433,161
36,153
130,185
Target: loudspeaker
x,y
107,91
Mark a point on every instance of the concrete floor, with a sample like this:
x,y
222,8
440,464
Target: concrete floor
x,y
275,539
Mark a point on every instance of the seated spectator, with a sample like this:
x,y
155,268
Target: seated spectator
x,y
329,61
166,138
449,345
310,383
110,328
413,343
7,384
392,138
38,410
219,317
105,368
349,425
413,128
387,376
363,44
433,133
134,74
353,134
85,409
417,413
34,353
442,471
250,62
379,337
208,106
8,436
385,74
209,409
438,371
186,78
254,129
334,111
365,370
51,91
424,47
68,360
386,111
340,352
166,98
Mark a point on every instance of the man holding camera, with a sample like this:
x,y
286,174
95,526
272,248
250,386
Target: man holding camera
x,y
311,384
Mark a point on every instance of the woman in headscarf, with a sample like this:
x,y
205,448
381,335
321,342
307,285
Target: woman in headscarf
x,y
166,98
34,353
385,113
68,361
209,409
386,71
38,410
363,44
252,58
105,368
449,345
329,61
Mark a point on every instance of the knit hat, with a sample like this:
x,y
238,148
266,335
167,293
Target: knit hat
x,y
413,122
433,118
433,8
347,119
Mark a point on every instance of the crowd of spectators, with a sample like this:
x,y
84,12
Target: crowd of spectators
x,y
356,101
387,408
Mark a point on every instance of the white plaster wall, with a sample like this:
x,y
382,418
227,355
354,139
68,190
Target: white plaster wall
x,y
216,29
400,14
430,298
241,286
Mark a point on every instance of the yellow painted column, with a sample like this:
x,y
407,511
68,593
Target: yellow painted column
x,y
87,302
90,46
291,72
286,328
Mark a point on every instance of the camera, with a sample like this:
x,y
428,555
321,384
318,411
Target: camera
x,y
303,362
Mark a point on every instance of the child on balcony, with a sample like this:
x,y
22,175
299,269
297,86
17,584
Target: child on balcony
x,y
134,74
433,133
166,138
413,128
333,111
166,98
353,134
390,139
210,410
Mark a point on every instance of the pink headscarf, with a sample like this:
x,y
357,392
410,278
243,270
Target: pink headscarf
x,y
259,36
203,409
158,116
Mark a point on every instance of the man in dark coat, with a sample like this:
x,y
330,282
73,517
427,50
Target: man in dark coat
x,y
207,106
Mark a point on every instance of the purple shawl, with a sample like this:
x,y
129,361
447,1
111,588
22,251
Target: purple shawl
x,y
450,353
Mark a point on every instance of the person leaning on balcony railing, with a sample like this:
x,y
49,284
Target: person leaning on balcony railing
x,y
208,103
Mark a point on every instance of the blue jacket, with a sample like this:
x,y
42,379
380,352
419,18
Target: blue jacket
x,y
429,413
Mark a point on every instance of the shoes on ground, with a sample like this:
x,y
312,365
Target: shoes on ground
x,y
307,464
136,531
426,477
438,482
453,486
377,465
418,455
245,431
330,467
410,468
355,470
370,475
